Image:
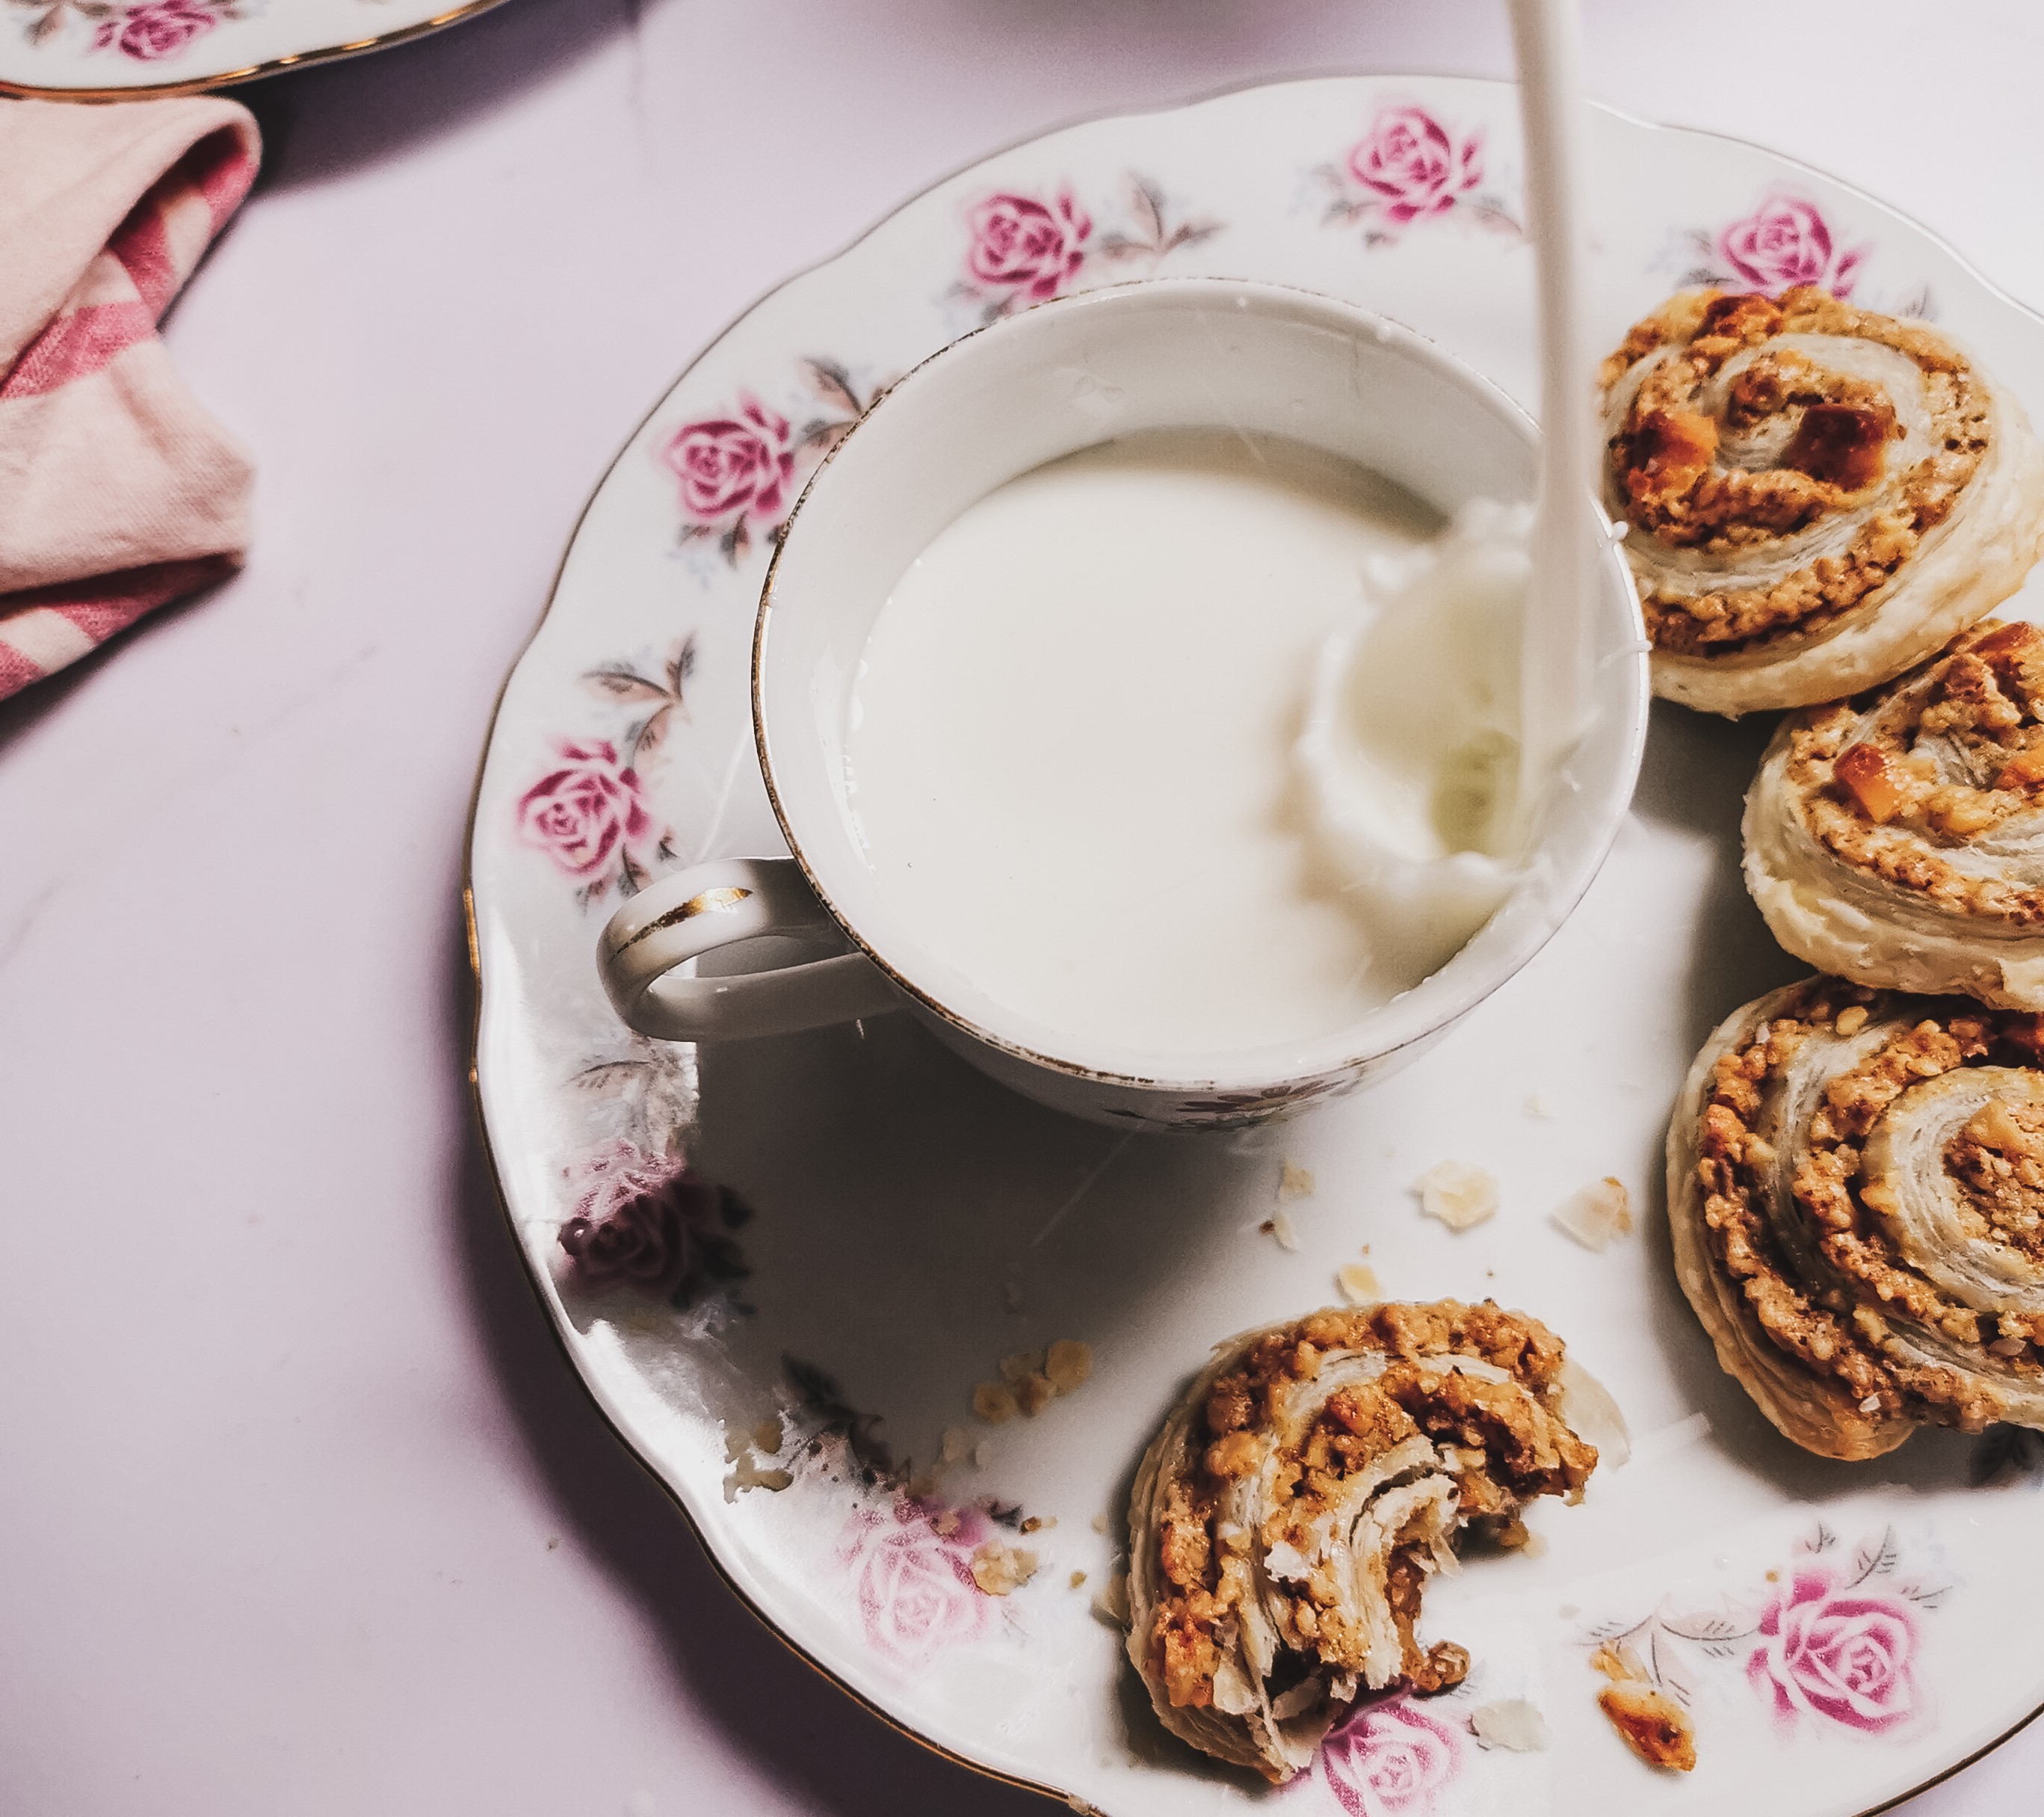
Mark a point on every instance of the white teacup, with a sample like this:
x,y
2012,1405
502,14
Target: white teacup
x,y
1165,354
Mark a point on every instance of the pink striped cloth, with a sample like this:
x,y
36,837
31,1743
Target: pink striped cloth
x,y
117,492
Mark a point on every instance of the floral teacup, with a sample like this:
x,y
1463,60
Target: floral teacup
x,y
1068,375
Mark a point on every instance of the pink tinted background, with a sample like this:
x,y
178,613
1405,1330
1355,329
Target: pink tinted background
x,y
304,1514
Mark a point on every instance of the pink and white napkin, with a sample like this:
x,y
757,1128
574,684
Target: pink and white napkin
x,y
117,492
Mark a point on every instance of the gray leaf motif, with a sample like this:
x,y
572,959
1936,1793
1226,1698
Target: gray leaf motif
x,y
831,383
623,685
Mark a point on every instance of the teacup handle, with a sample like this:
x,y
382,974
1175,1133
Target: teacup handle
x,y
708,906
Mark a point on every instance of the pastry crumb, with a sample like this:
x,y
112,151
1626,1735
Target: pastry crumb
x,y
1459,1195
766,1436
1039,1522
999,1569
1515,1724
945,1522
994,1402
955,1445
1078,1577
746,1474
1019,1363
1651,1723
980,1454
1279,1225
1537,1107
1359,1284
1033,1393
1599,1212
1068,1363
1100,1523
1294,1183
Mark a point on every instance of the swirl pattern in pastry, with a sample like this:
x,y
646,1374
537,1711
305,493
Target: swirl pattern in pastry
x,y
1898,839
1817,496
1286,1518
1856,1193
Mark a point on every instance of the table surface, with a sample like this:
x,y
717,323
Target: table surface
x,y
305,1513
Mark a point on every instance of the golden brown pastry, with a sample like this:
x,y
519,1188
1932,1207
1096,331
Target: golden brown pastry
x,y
1898,839
1287,1517
1818,496
1856,1192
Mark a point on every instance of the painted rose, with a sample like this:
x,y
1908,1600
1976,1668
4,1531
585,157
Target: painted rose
x,y
161,29
1026,246
1844,1655
1413,165
635,1219
586,809
1784,241
1388,1760
913,1584
731,464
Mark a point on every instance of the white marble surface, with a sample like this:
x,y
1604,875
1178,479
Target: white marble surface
x,y
304,1513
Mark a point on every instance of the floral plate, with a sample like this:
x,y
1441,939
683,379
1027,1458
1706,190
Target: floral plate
x,y
783,1266
105,49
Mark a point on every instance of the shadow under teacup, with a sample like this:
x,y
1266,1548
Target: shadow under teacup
x,y
817,938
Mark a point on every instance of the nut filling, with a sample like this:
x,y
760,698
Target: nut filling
x,y
1286,1520
1898,839
1855,1181
1800,428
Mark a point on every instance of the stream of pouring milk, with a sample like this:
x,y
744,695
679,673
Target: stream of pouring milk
x,y
1428,882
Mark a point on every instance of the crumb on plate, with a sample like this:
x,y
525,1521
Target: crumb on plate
x,y
999,1569
1359,1284
1459,1194
1601,1211
1513,1724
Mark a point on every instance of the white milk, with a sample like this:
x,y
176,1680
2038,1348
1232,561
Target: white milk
x,y
1070,746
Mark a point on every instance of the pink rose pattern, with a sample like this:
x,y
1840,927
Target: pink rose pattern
x,y
649,1222
1390,1760
1410,168
741,463
738,469
911,1566
1023,249
1027,248
1840,1654
1786,241
1410,161
158,29
1831,1642
587,812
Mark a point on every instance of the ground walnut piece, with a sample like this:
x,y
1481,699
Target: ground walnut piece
x,y
1835,1327
1508,1448
1872,793
1682,471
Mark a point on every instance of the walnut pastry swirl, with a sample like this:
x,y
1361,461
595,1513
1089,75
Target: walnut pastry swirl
x,y
1287,1517
1898,839
1856,1193
1817,496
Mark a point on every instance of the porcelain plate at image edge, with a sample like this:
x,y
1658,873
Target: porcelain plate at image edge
x,y
816,1247
82,49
